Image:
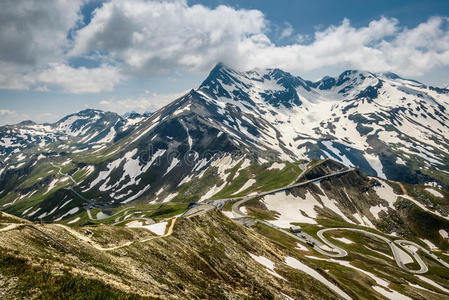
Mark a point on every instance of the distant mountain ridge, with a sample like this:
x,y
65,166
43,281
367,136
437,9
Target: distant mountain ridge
x,y
88,126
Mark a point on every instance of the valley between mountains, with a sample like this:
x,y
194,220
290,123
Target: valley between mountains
x,y
255,185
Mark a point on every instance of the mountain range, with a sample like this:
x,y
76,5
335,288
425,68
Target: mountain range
x,y
365,152
387,126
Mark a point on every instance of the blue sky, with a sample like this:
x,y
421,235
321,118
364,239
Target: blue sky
x,y
306,15
58,57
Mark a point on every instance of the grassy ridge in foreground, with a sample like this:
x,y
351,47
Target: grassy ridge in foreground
x,y
33,281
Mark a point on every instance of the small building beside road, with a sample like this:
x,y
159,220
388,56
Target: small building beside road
x,y
295,229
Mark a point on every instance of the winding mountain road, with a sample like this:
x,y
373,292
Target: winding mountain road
x,y
113,215
64,174
394,248
405,243
90,203
207,206
338,252
236,207
318,245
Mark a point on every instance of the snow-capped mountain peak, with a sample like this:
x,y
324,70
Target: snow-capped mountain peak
x,y
348,117
268,85
388,126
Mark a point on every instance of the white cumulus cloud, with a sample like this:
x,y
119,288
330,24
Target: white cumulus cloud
x,y
287,31
32,35
159,36
140,38
142,103
152,37
8,116
79,80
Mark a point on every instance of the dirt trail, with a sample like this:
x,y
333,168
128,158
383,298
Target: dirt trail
x,y
404,191
11,227
4,214
170,229
169,232
86,239
101,248
89,241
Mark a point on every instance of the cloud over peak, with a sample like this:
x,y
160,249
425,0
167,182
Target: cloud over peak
x,y
150,37
137,38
